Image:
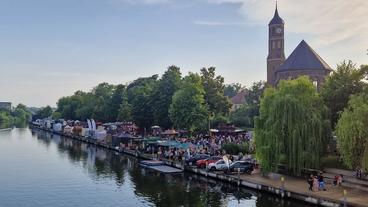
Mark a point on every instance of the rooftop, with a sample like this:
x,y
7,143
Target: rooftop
x,y
304,58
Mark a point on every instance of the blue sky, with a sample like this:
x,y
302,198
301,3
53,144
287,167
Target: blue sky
x,y
51,48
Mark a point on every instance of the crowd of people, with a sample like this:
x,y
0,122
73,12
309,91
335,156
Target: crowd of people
x,y
318,183
211,145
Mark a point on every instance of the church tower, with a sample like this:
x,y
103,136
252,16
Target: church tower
x,y
276,54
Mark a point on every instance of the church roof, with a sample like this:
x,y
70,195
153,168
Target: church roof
x,y
304,58
276,18
239,98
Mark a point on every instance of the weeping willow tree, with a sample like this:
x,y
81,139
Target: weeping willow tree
x,y
352,133
292,129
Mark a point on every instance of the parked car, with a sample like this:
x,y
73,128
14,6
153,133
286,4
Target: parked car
x,y
195,158
204,162
218,165
242,166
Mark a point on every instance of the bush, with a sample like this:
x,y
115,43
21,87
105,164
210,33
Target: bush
x,y
332,161
234,149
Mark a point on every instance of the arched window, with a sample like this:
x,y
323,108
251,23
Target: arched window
x,y
273,45
279,44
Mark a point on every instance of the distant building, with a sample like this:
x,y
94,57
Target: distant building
x,y
6,105
238,100
302,61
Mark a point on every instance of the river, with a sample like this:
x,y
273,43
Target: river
x,y
39,169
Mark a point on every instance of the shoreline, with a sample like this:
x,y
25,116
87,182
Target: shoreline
x,y
242,181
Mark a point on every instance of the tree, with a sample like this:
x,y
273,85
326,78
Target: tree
x,y
218,119
102,95
116,101
139,94
344,82
21,114
352,132
291,127
244,116
230,90
254,93
44,112
125,111
162,97
214,86
188,109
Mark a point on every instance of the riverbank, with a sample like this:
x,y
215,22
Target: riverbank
x,y
293,188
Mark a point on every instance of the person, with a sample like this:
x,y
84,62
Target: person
x,y
336,178
340,180
315,184
310,182
321,182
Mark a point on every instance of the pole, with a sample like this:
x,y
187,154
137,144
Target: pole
x,y
238,176
345,200
282,186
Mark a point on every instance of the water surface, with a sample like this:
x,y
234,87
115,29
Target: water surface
x,y
39,169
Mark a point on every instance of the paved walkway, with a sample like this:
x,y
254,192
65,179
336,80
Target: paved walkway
x,y
354,196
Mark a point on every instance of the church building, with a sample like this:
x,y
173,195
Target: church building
x,y
302,61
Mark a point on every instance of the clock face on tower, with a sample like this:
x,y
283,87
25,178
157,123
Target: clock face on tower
x,y
278,30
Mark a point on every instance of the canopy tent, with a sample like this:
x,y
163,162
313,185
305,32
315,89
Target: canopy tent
x,y
170,132
151,140
170,144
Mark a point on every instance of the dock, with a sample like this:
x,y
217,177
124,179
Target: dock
x,y
165,169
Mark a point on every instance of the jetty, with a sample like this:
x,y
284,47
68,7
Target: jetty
x,y
286,187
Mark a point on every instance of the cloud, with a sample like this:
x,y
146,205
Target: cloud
x,y
326,22
217,23
149,2
225,1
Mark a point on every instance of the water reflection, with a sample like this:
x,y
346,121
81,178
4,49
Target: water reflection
x,y
157,189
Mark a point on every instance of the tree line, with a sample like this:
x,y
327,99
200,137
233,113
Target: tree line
x,y
19,115
193,102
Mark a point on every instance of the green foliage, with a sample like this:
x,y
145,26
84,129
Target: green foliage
x,y
337,89
114,104
230,90
140,94
188,109
56,115
352,132
254,93
234,149
19,115
218,119
124,113
5,117
291,126
244,116
214,96
167,86
332,161
44,112
102,103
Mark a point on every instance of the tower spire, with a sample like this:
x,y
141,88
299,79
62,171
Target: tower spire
x,y
276,18
276,10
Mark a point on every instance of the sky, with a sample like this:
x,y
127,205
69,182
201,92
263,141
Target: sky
x,y
51,48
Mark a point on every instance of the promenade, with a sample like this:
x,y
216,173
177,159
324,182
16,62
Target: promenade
x,y
294,188
294,185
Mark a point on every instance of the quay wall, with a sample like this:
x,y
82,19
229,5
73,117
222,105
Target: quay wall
x,y
234,179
